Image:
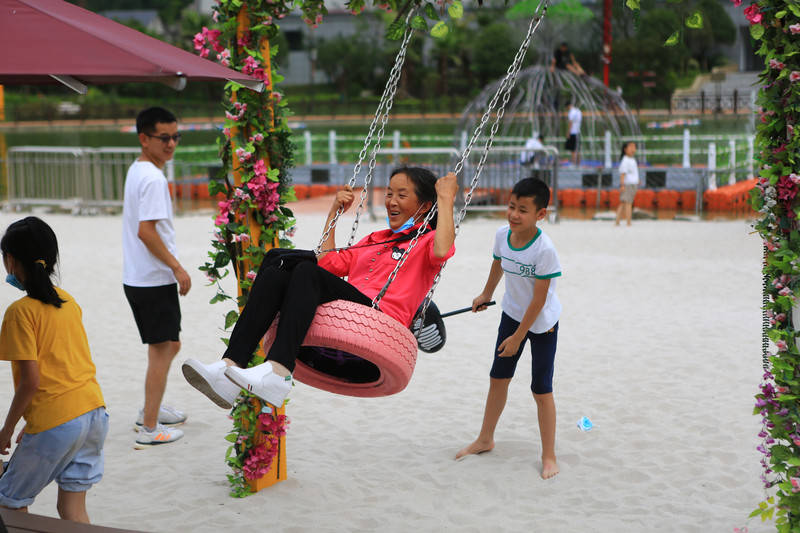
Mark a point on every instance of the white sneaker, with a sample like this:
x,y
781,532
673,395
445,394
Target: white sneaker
x,y
261,381
159,435
211,381
167,416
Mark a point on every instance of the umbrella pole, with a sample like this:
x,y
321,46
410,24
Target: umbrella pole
x,y
278,470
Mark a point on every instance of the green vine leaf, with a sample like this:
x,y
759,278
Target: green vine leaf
x,y
418,23
431,12
632,4
673,39
695,21
230,318
440,30
756,31
455,10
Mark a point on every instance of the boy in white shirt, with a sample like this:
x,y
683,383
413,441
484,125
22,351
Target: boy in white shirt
x,y
531,310
152,276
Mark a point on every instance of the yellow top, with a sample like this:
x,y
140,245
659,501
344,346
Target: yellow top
x,y
53,337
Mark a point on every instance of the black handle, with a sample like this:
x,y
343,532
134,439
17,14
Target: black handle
x,y
464,310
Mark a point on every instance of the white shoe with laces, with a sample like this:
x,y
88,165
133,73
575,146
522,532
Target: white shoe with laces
x,y
167,416
158,435
211,381
261,381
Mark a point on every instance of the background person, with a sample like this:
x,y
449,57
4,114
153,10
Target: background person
x,y
152,275
573,144
628,183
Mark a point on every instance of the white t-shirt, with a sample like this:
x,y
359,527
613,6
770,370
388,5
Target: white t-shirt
x,y
146,198
529,154
629,168
522,267
574,116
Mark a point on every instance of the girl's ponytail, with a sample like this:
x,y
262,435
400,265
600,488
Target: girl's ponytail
x,y
32,243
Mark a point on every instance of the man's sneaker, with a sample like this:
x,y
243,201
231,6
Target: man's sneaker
x,y
167,416
261,381
211,381
159,435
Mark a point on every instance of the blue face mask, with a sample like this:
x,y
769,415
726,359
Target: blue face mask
x,y
12,280
409,223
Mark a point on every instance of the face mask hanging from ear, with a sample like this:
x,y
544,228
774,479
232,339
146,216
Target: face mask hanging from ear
x,y
12,280
408,223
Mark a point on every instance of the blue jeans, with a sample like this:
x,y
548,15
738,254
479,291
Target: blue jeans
x,y
543,354
71,454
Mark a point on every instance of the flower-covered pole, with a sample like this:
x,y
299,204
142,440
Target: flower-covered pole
x,y
775,25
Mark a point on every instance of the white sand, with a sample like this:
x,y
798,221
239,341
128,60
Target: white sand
x,y
659,346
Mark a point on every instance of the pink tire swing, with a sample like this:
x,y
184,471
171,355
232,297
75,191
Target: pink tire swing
x,y
386,351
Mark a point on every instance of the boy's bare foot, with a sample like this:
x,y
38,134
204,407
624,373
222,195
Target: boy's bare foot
x,y
475,448
549,468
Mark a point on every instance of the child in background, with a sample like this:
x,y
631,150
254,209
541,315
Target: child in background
x,y
54,381
531,311
628,182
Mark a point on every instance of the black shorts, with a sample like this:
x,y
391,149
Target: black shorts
x,y
572,142
543,355
156,311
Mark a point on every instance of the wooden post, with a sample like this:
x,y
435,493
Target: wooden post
x,y
278,470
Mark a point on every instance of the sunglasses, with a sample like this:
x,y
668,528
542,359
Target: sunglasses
x,y
166,138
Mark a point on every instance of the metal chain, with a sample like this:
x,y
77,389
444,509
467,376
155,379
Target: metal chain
x,y
505,91
382,114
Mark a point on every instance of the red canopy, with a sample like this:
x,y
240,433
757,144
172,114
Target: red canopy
x,y
49,41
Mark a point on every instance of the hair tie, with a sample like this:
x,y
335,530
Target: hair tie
x,y
41,262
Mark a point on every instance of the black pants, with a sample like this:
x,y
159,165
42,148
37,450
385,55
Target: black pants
x,y
296,293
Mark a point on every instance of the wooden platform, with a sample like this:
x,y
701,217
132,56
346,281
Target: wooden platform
x,y
18,522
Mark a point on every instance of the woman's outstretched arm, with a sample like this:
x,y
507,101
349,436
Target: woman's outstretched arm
x,y
343,199
446,189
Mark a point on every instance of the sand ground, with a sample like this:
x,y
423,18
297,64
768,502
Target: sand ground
x,y
658,346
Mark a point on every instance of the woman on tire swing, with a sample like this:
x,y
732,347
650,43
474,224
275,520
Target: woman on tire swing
x,y
296,290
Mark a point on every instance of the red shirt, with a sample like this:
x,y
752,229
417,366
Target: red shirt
x,y
368,269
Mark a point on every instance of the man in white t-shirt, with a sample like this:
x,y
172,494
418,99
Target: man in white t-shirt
x,y
533,154
573,144
152,275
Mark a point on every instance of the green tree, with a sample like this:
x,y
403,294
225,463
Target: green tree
x,y
492,51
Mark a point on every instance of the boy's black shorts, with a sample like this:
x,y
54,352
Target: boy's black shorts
x,y
156,311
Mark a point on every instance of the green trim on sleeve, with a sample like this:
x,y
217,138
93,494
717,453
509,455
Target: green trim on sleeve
x,y
549,276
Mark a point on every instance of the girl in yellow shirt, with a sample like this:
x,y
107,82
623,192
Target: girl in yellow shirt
x,y
56,391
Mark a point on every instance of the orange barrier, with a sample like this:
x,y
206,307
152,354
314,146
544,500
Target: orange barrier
x,y
571,197
667,199
688,199
645,199
318,190
613,198
729,197
301,191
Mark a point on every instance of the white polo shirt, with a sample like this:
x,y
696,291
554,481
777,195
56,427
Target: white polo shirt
x,y
522,267
146,198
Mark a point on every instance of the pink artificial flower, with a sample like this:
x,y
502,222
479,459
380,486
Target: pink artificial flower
x,y
318,18
737,3
226,131
786,291
251,275
795,484
753,14
795,28
215,16
211,278
260,168
204,53
774,63
258,137
781,345
794,76
267,21
250,64
277,97
199,41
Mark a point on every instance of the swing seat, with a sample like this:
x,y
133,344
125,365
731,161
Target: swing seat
x,y
353,350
